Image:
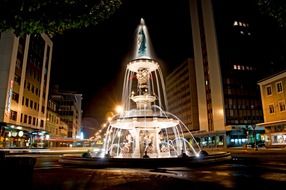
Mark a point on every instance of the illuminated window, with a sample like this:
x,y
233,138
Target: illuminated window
x,y
15,96
268,90
13,115
234,67
279,87
282,106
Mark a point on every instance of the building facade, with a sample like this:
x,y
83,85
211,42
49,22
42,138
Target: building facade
x,y
182,96
25,64
273,93
228,62
69,109
55,126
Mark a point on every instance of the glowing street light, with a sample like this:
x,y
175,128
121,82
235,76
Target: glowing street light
x,y
118,109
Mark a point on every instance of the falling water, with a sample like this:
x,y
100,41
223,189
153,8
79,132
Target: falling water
x,y
143,127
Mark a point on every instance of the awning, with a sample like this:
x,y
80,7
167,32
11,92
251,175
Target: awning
x,y
272,123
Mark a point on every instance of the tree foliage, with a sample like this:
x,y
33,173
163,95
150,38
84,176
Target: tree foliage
x,y
274,8
53,16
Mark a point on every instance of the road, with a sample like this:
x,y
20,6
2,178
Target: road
x,y
248,170
238,174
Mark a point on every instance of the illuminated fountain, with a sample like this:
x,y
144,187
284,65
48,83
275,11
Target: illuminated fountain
x,y
144,129
143,134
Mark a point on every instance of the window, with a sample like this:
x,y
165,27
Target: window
x,y
17,79
27,102
271,109
31,104
25,118
234,67
282,106
13,115
279,87
15,96
28,86
269,90
30,119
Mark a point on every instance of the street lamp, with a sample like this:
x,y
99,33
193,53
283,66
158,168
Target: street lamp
x,y
118,109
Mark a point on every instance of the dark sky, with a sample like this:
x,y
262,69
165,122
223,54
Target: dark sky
x,y
92,61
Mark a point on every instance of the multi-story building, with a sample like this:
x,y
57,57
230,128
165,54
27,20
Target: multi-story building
x,y
25,64
53,119
54,124
69,109
181,89
273,93
227,65
181,94
246,43
55,127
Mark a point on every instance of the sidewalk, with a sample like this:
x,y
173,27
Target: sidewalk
x,y
55,150
259,154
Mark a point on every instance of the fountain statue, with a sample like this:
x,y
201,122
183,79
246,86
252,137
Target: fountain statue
x,y
144,133
144,128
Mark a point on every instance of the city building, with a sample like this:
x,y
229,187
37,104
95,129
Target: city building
x,y
25,64
229,59
181,89
273,93
246,41
69,109
181,94
55,127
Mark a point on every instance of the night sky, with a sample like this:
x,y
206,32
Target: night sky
x,y
81,57
92,61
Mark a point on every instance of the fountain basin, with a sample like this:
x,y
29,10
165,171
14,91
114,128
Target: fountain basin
x,y
181,161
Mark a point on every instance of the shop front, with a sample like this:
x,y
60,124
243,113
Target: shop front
x,y
12,136
275,133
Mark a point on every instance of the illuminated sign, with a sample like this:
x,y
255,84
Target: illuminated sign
x,y
10,96
20,133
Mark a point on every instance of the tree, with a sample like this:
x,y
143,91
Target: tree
x,y
275,9
53,16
